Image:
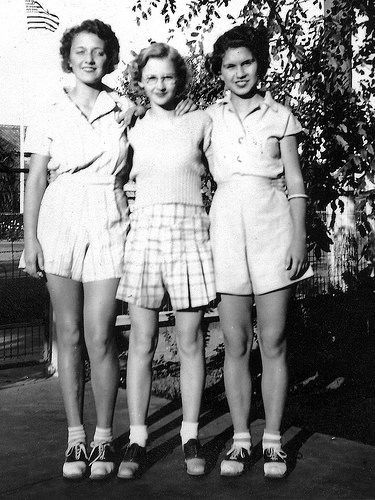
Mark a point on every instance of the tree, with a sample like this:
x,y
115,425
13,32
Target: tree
x,y
309,72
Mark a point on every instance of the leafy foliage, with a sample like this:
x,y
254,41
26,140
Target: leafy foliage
x,y
312,58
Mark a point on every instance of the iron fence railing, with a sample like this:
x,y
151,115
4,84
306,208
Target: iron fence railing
x,y
27,340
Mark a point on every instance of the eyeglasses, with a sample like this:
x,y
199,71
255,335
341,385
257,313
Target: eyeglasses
x,y
166,80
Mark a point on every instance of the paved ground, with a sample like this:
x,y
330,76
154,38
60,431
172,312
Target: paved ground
x,y
325,465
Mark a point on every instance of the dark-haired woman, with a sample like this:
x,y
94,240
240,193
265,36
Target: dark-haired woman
x,y
75,231
258,237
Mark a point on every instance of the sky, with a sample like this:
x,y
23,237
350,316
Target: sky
x,y
29,59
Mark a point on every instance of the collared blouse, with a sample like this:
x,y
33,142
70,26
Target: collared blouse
x,y
75,142
249,146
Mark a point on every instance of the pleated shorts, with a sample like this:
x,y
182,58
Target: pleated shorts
x,y
251,231
168,250
82,226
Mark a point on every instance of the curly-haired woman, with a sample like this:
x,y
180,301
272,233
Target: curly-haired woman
x,y
75,231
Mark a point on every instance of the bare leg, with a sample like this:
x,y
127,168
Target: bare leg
x,y
192,370
142,345
99,321
66,297
271,314
192,378
236,322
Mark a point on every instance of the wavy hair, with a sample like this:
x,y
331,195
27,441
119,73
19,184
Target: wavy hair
x,y
254,39
103,31
159,51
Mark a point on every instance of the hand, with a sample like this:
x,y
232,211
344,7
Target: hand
x,y
185,106
296,259
34,259
280,184
128,118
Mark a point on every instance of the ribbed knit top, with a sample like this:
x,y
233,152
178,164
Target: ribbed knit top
x,y
168,159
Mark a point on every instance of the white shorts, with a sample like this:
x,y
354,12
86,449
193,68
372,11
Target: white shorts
x,y
251,230
82,226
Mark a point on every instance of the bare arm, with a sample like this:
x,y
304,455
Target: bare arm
x,y
35,187
128,118
296,257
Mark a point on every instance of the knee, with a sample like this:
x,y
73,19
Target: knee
x,y
273,346
143,345
189,345
237,347
68,334
99,343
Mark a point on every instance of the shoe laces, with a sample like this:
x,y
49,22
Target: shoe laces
x,y
274,454
101,450
235,452
78,449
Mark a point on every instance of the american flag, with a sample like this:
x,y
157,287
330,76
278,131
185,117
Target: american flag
x,y
37,17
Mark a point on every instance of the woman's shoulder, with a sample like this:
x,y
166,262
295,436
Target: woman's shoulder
x,y
275,105
122,100
197,118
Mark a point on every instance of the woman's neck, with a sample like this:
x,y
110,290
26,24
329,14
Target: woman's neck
x,y
85,95
244,105
160,113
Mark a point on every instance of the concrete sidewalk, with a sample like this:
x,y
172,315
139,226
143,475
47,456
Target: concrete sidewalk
x,y
33,442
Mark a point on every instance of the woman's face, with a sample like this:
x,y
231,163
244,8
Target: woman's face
x,y
159,81
239,71
88,58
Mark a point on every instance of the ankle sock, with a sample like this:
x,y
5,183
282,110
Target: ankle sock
x,y
103,435
76,435
242,440
189,430
138,434
271,440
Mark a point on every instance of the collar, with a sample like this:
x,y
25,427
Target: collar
x,y
267,102
104,104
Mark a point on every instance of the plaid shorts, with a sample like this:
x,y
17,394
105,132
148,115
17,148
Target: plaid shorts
x,y
168,249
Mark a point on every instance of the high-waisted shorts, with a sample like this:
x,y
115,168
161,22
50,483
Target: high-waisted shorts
x,y
82,226
168,249
251,231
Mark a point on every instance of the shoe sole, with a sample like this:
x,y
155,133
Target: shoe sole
x,y
275,476
137,474
100,478
74,478
195,474
192,473
228,474
128,478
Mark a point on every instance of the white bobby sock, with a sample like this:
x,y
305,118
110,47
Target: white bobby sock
x,y
103,435
189,430
138,434
76,435
242,440
271,440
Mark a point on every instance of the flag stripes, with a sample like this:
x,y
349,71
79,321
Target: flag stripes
x,y
39,18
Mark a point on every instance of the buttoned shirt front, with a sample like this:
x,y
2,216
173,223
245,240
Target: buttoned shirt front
x,y
249,146
96,144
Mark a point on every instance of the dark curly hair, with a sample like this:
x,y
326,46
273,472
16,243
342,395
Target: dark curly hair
x,y
160,51
255,39
103,31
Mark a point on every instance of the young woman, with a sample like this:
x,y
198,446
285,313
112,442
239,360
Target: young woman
x,y
75,232
167,248
258,236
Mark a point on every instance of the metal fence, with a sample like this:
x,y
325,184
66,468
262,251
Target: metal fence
x,y
24,310
24,304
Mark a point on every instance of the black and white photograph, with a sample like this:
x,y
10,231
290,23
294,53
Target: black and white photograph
x,y
187,249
